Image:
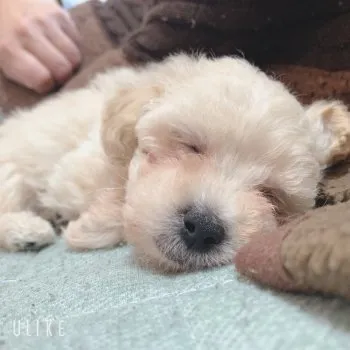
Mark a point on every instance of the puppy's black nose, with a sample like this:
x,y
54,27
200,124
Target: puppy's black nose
x,y
201,230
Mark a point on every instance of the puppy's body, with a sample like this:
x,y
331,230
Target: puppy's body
x,y
187,133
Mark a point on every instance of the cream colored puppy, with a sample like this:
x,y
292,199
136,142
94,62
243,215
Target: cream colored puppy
x,y
185,159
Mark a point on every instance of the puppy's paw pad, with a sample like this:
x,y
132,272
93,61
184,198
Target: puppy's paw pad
x,y
28,240
25,232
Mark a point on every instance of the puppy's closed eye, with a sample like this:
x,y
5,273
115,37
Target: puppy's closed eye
x,y
192,148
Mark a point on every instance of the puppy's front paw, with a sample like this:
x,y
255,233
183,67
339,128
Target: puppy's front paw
x,y
85,233
25,231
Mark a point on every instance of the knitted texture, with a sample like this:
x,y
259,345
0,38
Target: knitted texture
x,y
316,251
102,300
308,32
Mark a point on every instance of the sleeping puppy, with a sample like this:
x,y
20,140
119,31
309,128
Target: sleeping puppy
x,y
185,160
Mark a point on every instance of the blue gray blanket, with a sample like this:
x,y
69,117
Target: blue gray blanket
x,y
57,299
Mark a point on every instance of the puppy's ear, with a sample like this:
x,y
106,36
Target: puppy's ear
x,y
120,118
330,120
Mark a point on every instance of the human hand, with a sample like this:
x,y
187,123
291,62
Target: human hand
x,y
38,43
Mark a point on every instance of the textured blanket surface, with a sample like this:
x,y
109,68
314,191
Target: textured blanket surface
x,y
101,300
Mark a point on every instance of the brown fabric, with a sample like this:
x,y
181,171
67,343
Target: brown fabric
x,y
261,260
309,256
336,186
316,251
272,31
95,40
306,44
310,84
121,17
13,95
112,58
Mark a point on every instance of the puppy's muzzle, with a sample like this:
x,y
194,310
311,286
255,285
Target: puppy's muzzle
x,y
201,230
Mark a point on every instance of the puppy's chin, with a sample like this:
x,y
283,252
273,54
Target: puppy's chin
x,y
156,205
160,264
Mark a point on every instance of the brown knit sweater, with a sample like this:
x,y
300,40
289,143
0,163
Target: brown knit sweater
x,y
308,32
305,43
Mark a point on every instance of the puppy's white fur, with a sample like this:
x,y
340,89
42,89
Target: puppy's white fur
x,y
124,156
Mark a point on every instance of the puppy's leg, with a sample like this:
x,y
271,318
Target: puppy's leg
x,y
74,180
20,229
330,123
98,227
24,231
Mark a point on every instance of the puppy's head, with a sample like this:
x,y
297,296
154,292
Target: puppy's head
x,y
218,154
